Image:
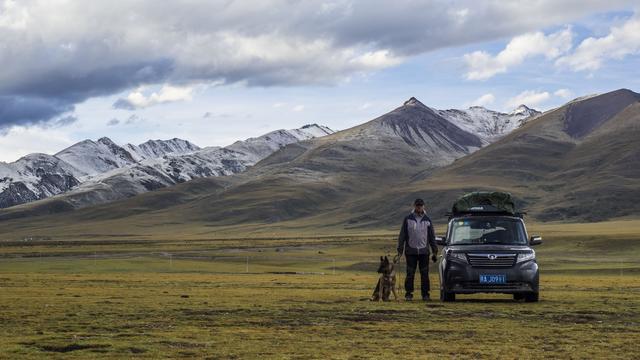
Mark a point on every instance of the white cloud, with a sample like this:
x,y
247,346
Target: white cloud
x,y
13,16
297,108
531,98
365,106
482,65
138,100
21,140
484,100
563,93
377,59
592,52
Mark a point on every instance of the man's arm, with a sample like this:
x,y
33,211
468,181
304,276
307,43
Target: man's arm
x,y
402,237
432,239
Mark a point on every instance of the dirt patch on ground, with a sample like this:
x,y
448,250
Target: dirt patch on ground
x,y
58,348
377,315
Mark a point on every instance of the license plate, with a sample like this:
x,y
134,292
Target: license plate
x,y
493,279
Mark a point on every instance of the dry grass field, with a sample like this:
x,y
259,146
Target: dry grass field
x,y
304,297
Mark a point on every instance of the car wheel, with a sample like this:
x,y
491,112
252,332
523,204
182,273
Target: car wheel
x,y
531,297
447,296
518,297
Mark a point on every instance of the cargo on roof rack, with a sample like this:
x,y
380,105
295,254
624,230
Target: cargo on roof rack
x,y
482,202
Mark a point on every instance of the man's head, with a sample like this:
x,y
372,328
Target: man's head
x,y
418,205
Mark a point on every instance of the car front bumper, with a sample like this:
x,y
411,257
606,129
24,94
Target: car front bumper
x,y
459,277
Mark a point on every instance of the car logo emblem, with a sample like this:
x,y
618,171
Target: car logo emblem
x,y
491,257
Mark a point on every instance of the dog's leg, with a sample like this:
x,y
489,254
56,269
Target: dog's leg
x,y
395,286
381,288
376,292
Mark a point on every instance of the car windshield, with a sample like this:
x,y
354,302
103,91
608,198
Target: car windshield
x,y
487,230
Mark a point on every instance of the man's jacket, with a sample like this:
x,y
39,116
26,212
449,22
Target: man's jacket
x,y
416,237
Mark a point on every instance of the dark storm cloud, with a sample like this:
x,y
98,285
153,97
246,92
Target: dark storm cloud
x,y
64,121
43,99
123,104
20,110
102,48
76,85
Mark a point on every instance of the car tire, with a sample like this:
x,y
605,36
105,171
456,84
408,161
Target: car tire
x,y
518,296
531,297
446,296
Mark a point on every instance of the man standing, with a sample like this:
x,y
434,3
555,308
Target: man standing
x,y
416,233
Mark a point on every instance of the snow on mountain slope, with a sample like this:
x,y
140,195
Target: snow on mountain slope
x,y
489,125
96,157
34,177
92,172
153,149
260,147
217,161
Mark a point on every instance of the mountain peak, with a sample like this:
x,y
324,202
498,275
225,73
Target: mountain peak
x,y
412,102
625,91
523,109
105,140
586,115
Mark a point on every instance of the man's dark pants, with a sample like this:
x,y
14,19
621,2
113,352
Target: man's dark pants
x,y
413,261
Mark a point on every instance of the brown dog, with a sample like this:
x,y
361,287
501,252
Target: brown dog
x,y
387,282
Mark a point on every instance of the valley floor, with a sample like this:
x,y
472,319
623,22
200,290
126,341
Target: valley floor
x,y
305,298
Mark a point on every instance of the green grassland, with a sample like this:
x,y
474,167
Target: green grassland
x,y
305,297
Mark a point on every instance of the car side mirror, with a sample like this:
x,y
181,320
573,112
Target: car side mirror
x,y
441,240
535,240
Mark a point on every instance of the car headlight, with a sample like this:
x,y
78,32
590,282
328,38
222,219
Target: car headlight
x,y
526,256
458,256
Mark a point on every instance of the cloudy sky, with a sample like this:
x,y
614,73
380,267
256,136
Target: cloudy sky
x,y
213,71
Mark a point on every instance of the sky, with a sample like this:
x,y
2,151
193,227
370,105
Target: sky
x,y
213,72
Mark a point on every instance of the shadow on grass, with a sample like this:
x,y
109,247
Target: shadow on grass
x,y
68,348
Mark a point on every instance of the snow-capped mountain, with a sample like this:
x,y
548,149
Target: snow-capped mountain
x,y
154,149
99,171
261,147
173,168
489,125
96,157
34,177
426,130
524,111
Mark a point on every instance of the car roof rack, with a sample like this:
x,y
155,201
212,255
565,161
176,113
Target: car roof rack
x,y
483,203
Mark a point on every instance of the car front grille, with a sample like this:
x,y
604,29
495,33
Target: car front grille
x,y
490,260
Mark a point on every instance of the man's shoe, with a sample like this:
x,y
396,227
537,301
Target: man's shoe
x,y
426,298
408,297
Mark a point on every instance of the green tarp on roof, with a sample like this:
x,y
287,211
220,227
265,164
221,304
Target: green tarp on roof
x,y
484,201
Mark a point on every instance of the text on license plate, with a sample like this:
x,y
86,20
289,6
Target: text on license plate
x,y
493,279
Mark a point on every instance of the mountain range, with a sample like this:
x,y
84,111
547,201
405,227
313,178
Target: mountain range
x,y
577,162
93,172
324,179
